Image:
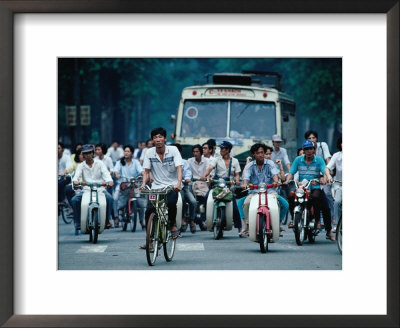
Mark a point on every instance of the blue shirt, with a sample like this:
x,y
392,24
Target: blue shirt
x,y
186,171
256,176
128,171
308,172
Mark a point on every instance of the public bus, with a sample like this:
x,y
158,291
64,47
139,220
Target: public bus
x,y
242,108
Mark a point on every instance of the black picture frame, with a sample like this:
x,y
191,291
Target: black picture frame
x,y
10,7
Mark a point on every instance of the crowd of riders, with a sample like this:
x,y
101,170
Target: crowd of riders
x,y
160,163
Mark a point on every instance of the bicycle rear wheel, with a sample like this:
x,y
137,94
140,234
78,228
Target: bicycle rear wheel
x,y
61,212
152,238
168,244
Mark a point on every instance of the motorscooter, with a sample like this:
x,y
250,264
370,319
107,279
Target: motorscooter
x,y
304,221
199,209
93,210
264,212
219,209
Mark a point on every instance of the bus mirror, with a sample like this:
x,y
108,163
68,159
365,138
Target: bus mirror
x,y
172,118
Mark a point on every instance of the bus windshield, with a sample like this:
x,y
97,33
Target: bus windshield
x,y
252,120
209,119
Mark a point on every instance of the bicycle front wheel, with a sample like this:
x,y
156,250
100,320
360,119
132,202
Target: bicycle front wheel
x,y
152,238
339,234
168,244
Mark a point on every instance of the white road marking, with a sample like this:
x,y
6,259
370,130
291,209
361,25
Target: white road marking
x,y
190,247
92,249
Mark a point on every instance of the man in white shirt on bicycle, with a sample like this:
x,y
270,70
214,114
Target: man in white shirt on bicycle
x,y
165,165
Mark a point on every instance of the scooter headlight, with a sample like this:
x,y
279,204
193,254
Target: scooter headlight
x,y
262,187
221,183
299,193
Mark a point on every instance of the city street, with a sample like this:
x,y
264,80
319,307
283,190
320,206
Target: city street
x,y
118,250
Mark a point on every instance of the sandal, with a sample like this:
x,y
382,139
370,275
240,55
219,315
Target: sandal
x,y
183,227
192,227
329,236
175,233
142,246
244,233
290,225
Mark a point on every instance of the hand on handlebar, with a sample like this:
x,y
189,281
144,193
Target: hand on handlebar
x,y
177,188
111,183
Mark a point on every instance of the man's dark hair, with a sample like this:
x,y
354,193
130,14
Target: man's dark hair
x,y
205,144
77,153
200,148
178,146
212,143
61,145
298,151
269,148
147,141
103,147
257,146
158,131
339,143
123,161
310,132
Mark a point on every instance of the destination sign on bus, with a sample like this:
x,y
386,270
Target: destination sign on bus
x,y
229,92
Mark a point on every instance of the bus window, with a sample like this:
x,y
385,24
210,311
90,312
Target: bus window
x,y
252,120
204,119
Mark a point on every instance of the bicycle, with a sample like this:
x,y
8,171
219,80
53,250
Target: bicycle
x,y
158,233
62,207
129,190
339,225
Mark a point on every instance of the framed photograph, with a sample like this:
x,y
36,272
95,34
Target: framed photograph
x,y
31,283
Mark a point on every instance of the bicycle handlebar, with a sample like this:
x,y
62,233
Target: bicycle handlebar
x,y
161,191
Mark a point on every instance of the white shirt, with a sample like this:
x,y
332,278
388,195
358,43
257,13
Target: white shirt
x,y
222,171
336,162
115,154
98,173
198,169
323,150
164,173
107,162
64,162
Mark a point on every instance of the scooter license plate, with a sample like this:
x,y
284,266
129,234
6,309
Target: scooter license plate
x,y
152,197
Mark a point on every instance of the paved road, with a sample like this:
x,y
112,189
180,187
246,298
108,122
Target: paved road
x,y
118,250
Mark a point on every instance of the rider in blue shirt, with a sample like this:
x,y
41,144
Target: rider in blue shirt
x,y
258,171
311,167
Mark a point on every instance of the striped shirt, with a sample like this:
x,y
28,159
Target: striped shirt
x,y
164,173
308,172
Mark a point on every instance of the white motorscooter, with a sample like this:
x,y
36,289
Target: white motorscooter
x,y
93,210
264,211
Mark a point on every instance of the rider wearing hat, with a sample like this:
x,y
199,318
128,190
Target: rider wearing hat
x,y
227,167
311,167
92,170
